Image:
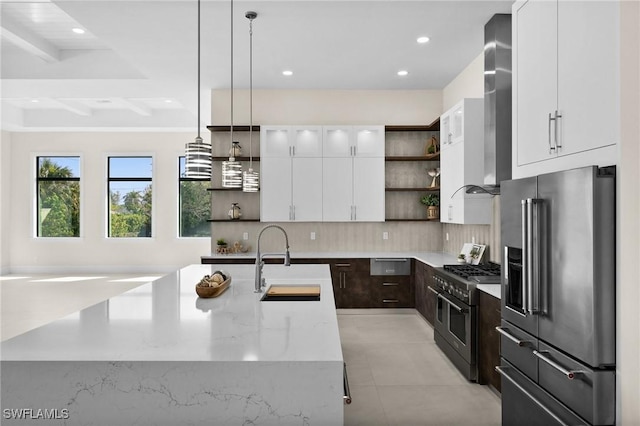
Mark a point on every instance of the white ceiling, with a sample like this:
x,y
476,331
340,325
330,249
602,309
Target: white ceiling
x,y
135,66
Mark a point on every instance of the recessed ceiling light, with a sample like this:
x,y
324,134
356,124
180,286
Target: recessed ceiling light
x,y
35,101
402,73
287,73
422,39
78,30
168,101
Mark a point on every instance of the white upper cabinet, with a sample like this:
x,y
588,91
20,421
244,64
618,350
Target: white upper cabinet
x,y
565,85
353,174
451,126
291,141
353,141
314,173
462,163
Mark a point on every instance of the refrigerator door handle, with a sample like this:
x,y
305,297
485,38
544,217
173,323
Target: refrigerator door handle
x,y
502,371
569,374
525,258
532,254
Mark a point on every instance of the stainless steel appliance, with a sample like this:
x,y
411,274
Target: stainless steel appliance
x,y
456,322
558,298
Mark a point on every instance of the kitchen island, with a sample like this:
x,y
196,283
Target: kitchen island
x,y
159,355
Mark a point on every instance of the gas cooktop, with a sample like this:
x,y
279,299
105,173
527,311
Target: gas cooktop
x,y
467,271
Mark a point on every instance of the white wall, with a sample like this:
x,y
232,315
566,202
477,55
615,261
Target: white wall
x,y
93,251
5,188
323,107
629,219
468,84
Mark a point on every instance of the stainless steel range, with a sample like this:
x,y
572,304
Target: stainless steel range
x,y
456,323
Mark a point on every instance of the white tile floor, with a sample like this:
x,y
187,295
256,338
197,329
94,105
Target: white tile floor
x,y
396,373
398,376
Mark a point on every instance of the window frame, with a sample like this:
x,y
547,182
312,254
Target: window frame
x,y
36,195
179,194
107,200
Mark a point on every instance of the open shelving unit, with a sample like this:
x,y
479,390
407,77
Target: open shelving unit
x,y
406,176
249,202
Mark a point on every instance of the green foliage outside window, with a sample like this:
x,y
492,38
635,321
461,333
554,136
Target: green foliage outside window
x,y
58,200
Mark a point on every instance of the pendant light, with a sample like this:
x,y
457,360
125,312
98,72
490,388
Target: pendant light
x,y
250,178
198,153
231,169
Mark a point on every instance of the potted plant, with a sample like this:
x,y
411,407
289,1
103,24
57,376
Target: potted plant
x,y
432,201
221,242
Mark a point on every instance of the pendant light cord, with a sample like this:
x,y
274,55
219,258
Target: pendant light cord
x,y
231,152
250,94
199,69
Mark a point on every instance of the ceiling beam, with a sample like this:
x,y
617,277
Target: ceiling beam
x,y
27,40
72,106
134,106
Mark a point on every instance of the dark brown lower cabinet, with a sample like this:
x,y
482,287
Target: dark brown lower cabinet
x,y
350,279
391,291
488,340
425,299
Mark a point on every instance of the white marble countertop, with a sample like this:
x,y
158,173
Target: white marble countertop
x,y
492,289
166,321
435,259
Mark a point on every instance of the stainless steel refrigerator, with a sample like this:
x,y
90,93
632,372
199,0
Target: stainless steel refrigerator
x,y
558,298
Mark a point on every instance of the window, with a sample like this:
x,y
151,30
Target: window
x,y
194,205
58,188
130,196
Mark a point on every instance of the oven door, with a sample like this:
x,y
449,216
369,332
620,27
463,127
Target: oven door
x,y
458,325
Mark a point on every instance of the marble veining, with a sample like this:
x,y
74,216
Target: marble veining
x,y
159,355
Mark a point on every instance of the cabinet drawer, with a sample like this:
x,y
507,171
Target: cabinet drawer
x,y
517,346
578,386
390,266
391,292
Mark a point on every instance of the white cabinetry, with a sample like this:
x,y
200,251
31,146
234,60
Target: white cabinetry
x,y
291,174
565,85
353,174
314,173
462,163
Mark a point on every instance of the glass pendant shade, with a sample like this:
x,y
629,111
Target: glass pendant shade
x,y
197,159
231,173
250,181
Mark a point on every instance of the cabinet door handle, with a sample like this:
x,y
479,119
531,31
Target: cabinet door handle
x,y
558,116
390,284
450,212
390,300
390,259
551,147
343,264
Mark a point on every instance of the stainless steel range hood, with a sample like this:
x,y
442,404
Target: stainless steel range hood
x,y
497,105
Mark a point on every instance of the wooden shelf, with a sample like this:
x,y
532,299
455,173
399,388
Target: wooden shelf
x,y
431,157
433,127
412,220
234,221
225,158
437,188
214,129
230,190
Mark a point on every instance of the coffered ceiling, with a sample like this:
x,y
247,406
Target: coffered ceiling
x,y
134,67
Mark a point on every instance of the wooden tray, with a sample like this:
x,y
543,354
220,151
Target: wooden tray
x,y
294,290
207,292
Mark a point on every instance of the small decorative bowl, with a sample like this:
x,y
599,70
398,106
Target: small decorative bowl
x,y
207,292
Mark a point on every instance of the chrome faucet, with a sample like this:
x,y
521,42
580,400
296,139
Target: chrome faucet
x,y
259,258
